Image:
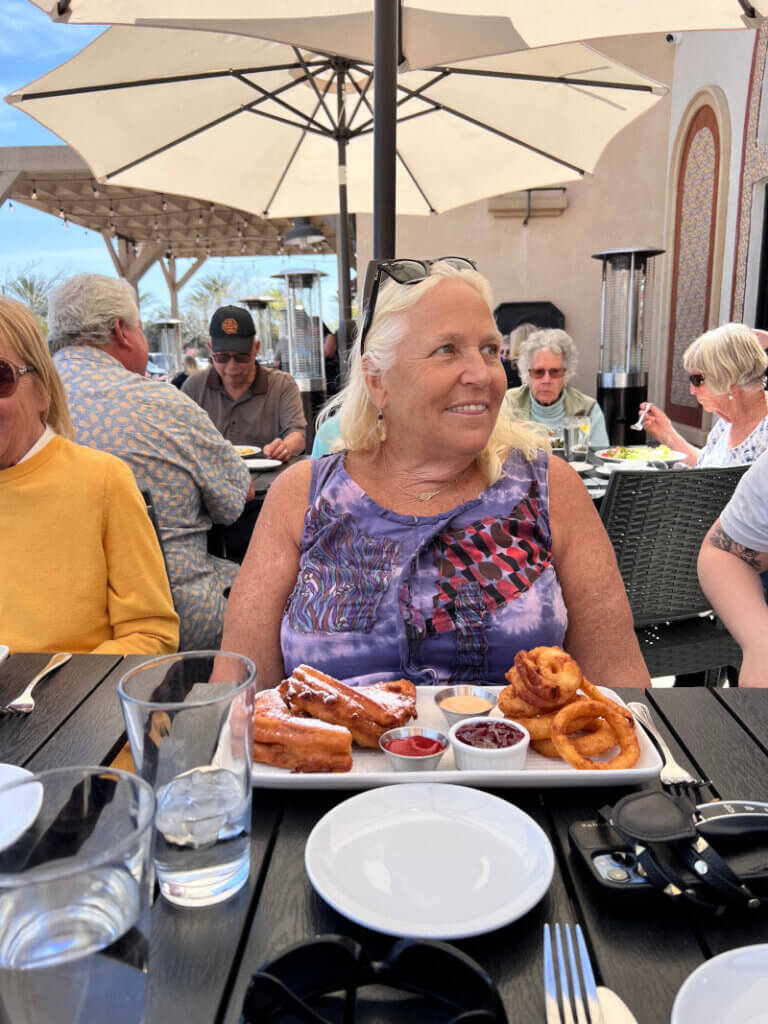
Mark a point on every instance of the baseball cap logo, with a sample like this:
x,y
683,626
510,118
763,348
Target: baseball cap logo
x,y
229,326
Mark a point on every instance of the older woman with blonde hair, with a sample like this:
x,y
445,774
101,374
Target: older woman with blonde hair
x,y
82,567
726,367
547,364
442,539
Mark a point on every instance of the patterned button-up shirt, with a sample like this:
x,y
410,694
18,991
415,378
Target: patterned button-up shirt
x,y
175,452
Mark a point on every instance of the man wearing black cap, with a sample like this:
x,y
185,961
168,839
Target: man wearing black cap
x,y
248,403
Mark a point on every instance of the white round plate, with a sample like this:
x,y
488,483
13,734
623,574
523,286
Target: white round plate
x,y
731,988
580,467
608,468
19,809
670,459
263,463
429,860
247,450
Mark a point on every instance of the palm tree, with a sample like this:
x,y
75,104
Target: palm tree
x,y
31,288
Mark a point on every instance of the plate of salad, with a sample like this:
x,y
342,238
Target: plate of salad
x,y
640,453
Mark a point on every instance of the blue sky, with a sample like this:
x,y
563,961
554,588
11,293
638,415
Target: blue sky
x,y
31,45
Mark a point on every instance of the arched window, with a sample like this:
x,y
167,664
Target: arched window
x,y
693,255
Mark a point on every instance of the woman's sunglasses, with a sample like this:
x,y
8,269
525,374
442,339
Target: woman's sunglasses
x,y
696,379
9,377
405,272
239,357
323,975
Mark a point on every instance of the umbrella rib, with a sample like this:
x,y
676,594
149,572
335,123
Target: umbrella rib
x,y
138,83
411,175
361,97
202,128
320,96
292,157
275,95
553,80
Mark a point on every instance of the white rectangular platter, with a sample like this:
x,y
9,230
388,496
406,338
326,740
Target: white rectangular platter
x,y
371,768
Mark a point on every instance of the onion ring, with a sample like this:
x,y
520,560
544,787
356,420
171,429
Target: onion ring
x,y
540,726
624,730
597,742
548,677
593,693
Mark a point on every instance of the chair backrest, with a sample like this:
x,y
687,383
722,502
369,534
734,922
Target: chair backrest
x,y
656,521
151,512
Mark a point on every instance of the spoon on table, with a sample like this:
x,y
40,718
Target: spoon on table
x,y
641,417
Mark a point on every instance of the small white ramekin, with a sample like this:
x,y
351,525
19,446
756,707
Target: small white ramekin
x,y
483,759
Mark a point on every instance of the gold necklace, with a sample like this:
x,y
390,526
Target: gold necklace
x,y
425,496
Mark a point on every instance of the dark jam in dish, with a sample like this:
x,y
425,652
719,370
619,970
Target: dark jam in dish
x,y
490,735
415,746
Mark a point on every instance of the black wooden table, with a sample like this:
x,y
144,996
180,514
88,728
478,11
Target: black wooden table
x,y
201,960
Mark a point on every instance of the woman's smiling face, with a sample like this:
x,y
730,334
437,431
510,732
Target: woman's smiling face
x,y
445,389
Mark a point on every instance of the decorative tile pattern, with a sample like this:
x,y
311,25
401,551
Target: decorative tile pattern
x,y
693,255
754,168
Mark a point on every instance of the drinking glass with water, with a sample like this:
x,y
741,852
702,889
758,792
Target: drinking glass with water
x,y
76,883
577,431
190,725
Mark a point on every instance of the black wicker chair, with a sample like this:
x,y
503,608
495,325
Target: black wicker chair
x,y
656,521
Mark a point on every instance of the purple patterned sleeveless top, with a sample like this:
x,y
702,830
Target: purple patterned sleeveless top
x,y
438,599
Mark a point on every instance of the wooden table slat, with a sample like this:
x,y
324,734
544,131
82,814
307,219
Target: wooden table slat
x,y
57,697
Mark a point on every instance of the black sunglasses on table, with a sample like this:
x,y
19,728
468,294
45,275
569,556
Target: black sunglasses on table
x,y
10,375
450,987
403,271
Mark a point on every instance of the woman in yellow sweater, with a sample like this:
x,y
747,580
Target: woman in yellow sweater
x,y
80,565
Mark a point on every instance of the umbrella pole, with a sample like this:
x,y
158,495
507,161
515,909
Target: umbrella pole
x,y
385,61
342,226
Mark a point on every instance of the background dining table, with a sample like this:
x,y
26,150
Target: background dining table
x,y
201,960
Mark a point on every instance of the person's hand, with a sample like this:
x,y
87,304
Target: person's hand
x,y
277,449
754,666
656,422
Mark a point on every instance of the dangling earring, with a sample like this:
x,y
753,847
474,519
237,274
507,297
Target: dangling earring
x,y
730,398
381,427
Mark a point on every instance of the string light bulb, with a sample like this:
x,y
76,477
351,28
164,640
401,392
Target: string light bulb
x,y
164,204
95,190
10,206
33,193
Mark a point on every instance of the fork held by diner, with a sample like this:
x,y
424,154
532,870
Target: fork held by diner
x,y
441,538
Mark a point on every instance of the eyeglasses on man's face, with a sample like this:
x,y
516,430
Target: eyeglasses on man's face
x,y
405,271
696,379
220,358
10,376
541,371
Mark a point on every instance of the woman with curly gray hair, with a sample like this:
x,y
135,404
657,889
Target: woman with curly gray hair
x,y
547,362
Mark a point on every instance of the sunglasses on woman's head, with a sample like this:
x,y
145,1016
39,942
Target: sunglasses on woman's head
x,y
405,272
9,377
239,357
696,379
324,975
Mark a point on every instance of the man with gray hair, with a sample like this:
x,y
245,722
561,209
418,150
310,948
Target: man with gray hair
x,y
173,448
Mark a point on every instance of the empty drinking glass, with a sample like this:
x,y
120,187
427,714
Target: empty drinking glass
x,y
76,882
190,724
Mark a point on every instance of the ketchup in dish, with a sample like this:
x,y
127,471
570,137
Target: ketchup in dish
x,y
414,746
491,735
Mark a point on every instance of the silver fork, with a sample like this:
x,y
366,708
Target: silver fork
x,y
566,968
672,773
641,417
25,702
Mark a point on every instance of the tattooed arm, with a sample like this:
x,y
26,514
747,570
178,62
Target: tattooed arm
x,y
728,573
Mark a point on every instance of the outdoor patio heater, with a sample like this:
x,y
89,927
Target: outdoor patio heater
x,y
169,342
626,333
301,327
258,305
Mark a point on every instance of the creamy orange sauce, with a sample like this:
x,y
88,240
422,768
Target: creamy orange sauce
x,y
466,705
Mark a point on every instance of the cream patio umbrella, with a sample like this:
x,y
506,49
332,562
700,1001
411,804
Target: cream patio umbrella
x,y
430,31
265,127
410,34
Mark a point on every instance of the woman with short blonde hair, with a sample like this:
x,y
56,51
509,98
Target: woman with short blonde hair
x,y
726,368
82,567
442,538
